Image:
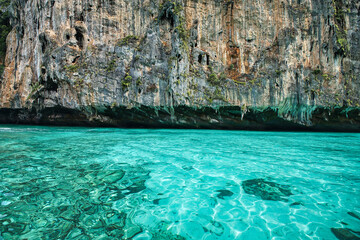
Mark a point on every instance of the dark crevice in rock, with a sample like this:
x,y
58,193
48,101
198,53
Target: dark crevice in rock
x,y
44,42
79,38
75,59
50,84
167,13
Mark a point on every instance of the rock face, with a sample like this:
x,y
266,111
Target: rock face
x,y
255,64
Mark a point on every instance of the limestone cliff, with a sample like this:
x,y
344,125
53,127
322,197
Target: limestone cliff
x,y
249,64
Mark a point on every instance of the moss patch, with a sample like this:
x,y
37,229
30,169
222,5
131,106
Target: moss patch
x,y
5,27
127,40
126,82
341,33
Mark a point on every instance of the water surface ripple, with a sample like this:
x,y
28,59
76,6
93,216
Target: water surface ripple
x,y
84,183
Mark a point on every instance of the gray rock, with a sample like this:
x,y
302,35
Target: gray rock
x,y
119,63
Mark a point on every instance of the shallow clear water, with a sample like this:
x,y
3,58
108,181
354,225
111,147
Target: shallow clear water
x,y
82,183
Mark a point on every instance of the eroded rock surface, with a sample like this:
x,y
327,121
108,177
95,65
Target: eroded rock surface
x,y
266,64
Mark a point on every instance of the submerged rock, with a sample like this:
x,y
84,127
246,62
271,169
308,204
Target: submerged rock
x,y
135,188
297,204
224,193
105,177
131,229
266,190
354,215
79,206
344,234
161,232
114,176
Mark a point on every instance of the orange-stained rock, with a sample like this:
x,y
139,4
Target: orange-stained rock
x,y
86,55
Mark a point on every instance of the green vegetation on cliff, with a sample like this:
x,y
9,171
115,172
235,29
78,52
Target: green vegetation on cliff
x,y
340,29
5,28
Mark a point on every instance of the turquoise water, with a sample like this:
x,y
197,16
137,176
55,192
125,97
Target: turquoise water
x,y
83,183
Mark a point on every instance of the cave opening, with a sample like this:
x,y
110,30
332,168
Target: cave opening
x,y
50,84
79,38
44,42
167,13
200,59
